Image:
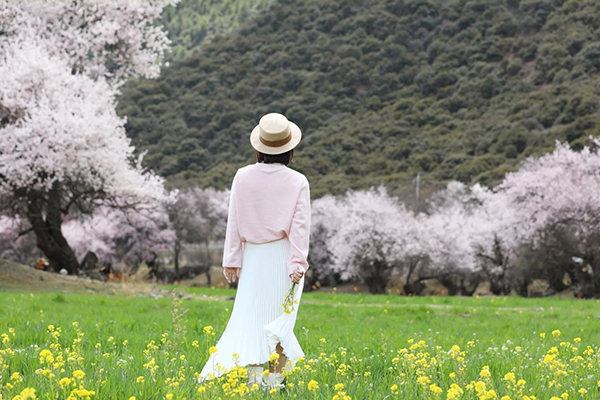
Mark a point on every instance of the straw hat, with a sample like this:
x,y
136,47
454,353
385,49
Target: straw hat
x,y
274,134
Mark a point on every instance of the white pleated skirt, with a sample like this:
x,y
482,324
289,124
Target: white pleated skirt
x,y
257,322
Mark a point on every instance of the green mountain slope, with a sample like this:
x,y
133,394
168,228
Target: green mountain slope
x,y
189,22
383,90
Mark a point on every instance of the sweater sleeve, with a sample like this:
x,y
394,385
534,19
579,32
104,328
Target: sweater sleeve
x,y
232,251
300,232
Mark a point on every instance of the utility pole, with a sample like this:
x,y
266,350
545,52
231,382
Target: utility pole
x,y
418,187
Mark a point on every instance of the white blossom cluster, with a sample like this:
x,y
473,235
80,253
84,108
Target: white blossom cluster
x,y
467,230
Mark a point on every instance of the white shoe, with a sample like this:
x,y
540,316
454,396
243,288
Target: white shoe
x,y
255,376
273,380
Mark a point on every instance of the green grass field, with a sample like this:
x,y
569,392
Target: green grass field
x,y
66,346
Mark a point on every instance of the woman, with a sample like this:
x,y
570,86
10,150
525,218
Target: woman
x,y
266,246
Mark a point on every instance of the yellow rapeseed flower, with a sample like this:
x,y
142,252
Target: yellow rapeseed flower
x,y
64,382
46,357
455,392
313,385
435,389
26,394
480,387
485,372
132,398
582,391
455,351
556,333
169,396
338,387
212,350
78,374
423,380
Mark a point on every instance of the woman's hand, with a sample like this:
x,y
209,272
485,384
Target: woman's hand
x,y
231,274
296,276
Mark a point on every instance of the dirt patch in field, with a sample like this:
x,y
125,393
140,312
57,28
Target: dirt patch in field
x,y
19,277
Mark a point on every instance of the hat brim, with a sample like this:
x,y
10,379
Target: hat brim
x,y
261,147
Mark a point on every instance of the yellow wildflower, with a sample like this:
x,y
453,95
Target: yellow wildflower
x,y
27,394
582,391
556,333
455,351
423,380
46,356
455,392
64,382
313,385
435,389
485,372
209,330
78,374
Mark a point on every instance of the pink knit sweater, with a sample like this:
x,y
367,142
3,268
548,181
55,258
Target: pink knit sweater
x,y
268,202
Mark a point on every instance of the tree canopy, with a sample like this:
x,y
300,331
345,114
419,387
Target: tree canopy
x,y
383,90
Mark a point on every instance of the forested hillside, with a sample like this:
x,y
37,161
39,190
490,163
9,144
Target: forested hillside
x,y
189,22
383,90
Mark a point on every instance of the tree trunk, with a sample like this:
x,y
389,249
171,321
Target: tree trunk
x,y
376,285
415,287
449,283
469,285
49,237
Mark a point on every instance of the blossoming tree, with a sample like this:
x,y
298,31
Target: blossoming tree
x,y
378,238
121,236
447,235
63,149
554,192
198,216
